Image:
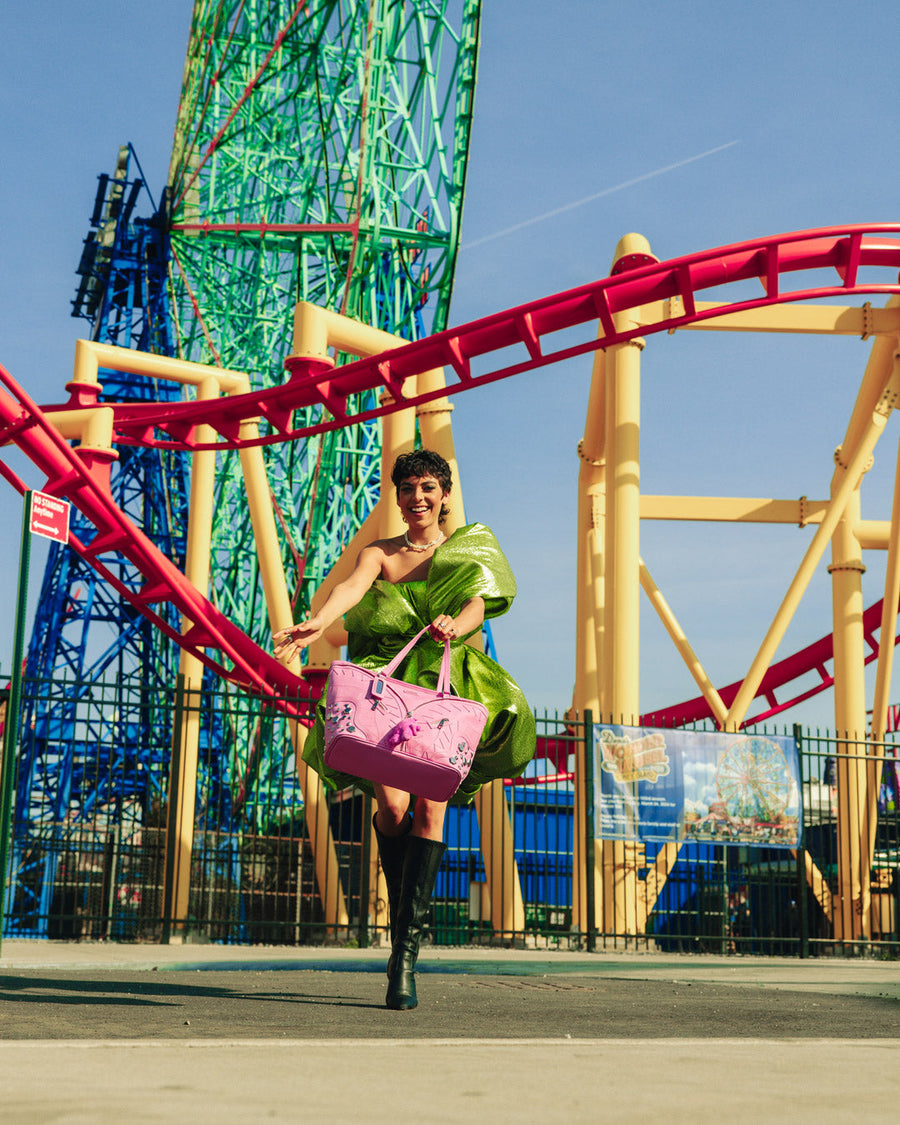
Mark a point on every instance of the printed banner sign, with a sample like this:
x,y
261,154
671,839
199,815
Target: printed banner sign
x,y
706,787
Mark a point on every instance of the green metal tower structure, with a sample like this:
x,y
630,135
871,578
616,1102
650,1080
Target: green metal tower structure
x,y
320,154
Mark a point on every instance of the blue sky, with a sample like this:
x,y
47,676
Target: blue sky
x,y
591,120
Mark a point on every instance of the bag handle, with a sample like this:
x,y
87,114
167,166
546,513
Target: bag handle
x,y
443,684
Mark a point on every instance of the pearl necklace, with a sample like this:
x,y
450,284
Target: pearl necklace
x,y
423,547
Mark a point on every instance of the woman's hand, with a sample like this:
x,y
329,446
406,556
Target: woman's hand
x,y
443,628
447,628
291,641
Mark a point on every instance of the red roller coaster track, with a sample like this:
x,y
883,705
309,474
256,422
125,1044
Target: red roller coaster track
x,y
833,262
82,477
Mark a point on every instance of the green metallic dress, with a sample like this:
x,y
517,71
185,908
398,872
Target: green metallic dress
x,y
469,564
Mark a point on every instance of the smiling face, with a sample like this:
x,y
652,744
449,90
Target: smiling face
x,y
420,500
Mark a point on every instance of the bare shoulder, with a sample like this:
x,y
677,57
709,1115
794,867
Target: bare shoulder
x,y
372,558
383,548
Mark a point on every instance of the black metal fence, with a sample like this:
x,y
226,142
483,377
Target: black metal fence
x,y
88,854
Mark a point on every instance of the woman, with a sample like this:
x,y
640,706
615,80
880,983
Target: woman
x,y
398,586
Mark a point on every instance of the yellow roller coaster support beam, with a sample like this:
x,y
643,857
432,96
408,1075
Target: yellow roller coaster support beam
x,y
885,666
679,639
730,509
609,554
589,628
856,791
183,782
815,320
278,603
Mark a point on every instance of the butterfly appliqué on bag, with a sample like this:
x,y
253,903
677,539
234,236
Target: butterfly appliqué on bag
x,y
463,756
340,719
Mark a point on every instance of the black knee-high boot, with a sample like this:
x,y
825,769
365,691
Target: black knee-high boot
x,y
420,869
392,852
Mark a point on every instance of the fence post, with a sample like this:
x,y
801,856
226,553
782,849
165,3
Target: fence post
x,y
589,831
171,821
364,880
802,888
13,706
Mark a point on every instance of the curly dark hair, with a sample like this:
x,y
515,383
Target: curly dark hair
x,y
423,463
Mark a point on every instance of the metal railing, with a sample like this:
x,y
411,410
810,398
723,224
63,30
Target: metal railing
x,y
88,854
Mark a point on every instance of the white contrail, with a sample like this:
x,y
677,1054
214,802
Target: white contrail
x,y
596,195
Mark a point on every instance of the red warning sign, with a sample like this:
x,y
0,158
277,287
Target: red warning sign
x,y
49,517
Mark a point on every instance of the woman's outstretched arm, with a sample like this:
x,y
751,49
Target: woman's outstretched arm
x,y
290,641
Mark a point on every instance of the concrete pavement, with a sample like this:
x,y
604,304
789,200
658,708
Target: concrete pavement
x,y
232,1034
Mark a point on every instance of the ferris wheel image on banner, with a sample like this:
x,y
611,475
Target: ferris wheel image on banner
x,y
757,796
753,780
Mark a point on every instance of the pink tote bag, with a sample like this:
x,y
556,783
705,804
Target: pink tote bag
x,y
400,734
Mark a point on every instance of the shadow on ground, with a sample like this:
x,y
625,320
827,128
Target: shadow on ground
x,y
261,1005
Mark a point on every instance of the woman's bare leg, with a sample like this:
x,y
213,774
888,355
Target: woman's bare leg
x,y
428,819
393,808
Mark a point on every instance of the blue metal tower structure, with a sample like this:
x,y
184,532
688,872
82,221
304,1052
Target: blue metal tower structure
x,y
83,632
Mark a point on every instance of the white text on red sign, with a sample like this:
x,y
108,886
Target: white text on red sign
x,y
49,517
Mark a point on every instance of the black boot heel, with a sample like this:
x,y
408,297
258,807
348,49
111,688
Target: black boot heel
x,y
420,869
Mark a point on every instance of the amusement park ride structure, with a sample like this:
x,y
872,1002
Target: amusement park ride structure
x,y
320,152
640,297
269,483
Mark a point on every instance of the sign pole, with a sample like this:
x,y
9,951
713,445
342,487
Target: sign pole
x,y
13,706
